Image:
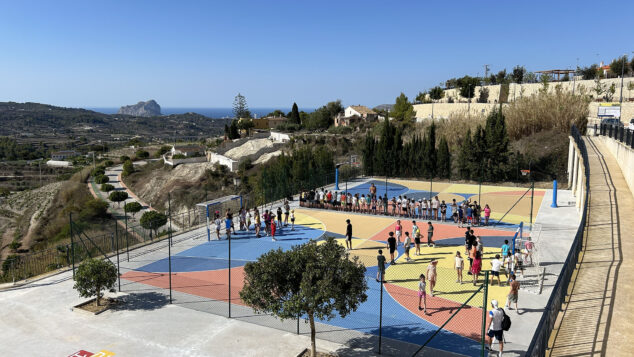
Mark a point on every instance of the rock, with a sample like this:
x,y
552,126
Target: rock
x,y
142,109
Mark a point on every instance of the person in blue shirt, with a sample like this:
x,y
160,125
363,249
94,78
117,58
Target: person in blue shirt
x,y
505,249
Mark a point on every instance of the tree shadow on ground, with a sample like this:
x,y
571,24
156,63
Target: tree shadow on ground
x,y
141,301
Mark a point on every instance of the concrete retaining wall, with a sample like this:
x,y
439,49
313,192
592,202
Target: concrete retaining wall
x,y
624,156
222,160
188,160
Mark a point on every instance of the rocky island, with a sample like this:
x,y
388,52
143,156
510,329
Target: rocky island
x,y
142,109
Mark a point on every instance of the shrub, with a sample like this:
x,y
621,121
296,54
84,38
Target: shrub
x,y
106,187
98,171
153,220
178,156
558,110
108,163
14,245
142,154
118,196
101,179
128,168
93,276
93,208
133,207
124,158
340,130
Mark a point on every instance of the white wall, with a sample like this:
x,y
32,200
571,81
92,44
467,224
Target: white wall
x,y
625,158
279,137
348,112
222,160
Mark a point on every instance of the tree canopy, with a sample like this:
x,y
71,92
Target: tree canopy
x,y
153,220
240,108
294,117
315,280
436,93
403,110
467,86
118,196
324,116
93,276
133,207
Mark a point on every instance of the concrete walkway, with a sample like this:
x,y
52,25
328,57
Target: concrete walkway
x,y
596,318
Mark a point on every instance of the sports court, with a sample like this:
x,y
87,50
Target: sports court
x,y
200,270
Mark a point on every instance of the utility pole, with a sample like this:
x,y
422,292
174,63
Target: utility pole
x,y
574,77
622,73
486,70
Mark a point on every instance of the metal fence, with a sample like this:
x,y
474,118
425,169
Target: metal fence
x,y
539,343
617,132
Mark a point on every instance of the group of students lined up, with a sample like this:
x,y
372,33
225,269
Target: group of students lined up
x,y
274,221
465,212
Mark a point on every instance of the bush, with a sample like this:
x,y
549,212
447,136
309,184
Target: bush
x,y
340,130
14,245
153,220
557,109
98,171
93,276
132,207
118,196
93,208
101,179
124,158
178,156
128,168
142,154
163,150
106,187
288,127
108,163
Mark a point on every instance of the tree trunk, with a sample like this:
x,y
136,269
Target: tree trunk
x,y
313,348
98,296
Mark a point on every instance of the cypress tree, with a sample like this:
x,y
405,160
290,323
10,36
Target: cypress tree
x,y
444,159
295,115
464,156
496,145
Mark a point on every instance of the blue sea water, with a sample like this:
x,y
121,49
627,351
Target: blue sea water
x,y
215,113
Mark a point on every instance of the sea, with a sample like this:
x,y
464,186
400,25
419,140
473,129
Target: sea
x,y
215,113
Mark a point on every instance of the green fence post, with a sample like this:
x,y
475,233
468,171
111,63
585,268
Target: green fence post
x,y
484,309
72,245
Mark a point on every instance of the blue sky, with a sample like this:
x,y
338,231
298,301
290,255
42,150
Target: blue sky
x,y
201,53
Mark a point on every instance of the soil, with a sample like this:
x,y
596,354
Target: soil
x,y
90,306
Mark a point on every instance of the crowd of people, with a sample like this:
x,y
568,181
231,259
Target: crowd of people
x,y
508,261
274,221
463,213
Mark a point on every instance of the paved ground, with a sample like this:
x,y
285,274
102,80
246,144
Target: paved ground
x,y
597,317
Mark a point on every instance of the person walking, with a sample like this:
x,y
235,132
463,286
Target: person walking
x,y
287,211
459,266
380,274
505,249
391,245
267,222
399,231
416,234
431,276
406,245
496,264
422,294
430,235
529,246
228,224
348,235
494,327
273,229
512,296
218,223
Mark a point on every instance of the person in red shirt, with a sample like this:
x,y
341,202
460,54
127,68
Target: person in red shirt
x,y
273,230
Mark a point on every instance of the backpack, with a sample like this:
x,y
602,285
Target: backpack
x,y
506,321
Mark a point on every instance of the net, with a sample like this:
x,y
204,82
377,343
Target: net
x,y
530,274
220,206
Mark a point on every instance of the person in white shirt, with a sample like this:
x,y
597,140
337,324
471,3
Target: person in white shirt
x,y
495,326
496,264
459,266
435,207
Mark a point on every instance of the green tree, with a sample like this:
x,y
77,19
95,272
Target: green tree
x,y
133,207
436,93
128,168
501,77
443,163
93,209
619,64
545,80
467,86
294,117
518,74
162,150
118,197
403,110
245,124
124,158
101,179
496,146
484,95
609,94
464,156
316,280
599,87
588,73
98,171
153,220
93,276
106,187
240,108
429,152
142,154
421,97
324,116
276,113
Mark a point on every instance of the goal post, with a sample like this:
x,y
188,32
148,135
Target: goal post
x,y
207,210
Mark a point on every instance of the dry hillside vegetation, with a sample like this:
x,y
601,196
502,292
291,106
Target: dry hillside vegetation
x,y
21,213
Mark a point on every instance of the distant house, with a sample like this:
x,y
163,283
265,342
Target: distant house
x,y
261,123
189,150
274,122
63,155
355,114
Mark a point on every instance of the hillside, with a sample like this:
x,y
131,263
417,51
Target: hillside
x,y
45,123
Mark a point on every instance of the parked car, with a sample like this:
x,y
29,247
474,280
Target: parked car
x,y
631,126
611,121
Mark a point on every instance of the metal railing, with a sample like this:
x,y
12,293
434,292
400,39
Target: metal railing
x,y
539,344
616,132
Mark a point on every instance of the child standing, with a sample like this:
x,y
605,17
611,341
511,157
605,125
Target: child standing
x,y
398,230
459,267
496,264
430,235
406,245
422,294
487,214
476,267
273,226
431,275
416,234
380,274
292,220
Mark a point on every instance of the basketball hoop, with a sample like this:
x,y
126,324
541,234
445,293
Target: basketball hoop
x,y
525,172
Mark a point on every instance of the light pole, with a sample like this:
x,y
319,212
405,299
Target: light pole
x,y
574,77
622,73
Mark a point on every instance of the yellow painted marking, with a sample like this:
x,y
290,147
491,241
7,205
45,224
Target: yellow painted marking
x,y
309,221
466,188
363,226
